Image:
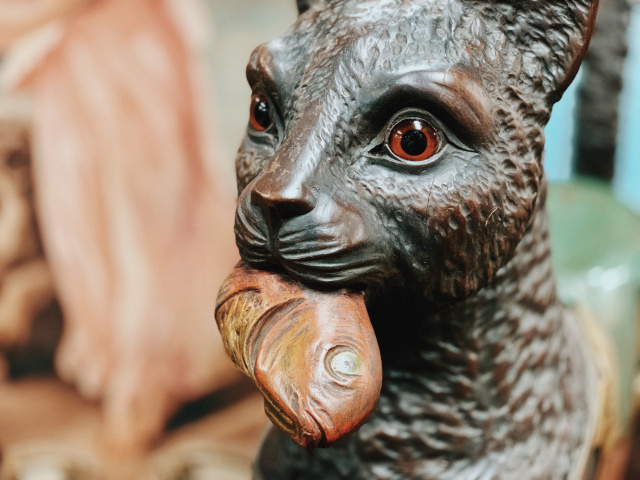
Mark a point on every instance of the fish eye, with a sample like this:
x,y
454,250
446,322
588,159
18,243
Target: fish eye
x,y
413,140
344,363
260,117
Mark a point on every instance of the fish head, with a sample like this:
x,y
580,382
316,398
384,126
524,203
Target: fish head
x,y
320,371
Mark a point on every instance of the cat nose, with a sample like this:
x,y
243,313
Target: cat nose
x,y
285,199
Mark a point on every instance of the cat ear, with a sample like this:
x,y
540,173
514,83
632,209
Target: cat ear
x,y
304,5
554,35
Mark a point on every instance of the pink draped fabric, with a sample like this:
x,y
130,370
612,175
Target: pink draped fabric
x,y
137,227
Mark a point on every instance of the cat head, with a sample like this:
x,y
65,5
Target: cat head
x,y
398,143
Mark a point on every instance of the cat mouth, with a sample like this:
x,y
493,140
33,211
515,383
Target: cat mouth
x,y
311,256
331,273
318,271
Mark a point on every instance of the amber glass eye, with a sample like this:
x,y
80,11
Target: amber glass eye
x,y
260,114
414,140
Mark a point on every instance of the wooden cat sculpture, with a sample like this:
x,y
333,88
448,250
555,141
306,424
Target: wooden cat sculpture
x,y
395,149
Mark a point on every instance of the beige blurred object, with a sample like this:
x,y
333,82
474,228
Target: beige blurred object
x,y
137,229
18,17
48,432
26,286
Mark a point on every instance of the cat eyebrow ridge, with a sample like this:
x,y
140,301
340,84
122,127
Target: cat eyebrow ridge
x,y
260,69
452,95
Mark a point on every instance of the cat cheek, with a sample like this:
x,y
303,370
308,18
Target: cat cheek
x,y
251,236
250,162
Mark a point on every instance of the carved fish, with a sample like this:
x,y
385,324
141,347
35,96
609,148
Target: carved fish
x,y
313,355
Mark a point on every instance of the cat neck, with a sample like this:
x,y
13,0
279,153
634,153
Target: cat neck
x,y
487,386
496,386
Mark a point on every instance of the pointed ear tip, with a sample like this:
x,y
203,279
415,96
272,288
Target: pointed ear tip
x,y
304,5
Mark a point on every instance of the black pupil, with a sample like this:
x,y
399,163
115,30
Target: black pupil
x,y
261,113
414,143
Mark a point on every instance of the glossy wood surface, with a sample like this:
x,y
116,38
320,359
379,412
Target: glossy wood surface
x,y
313,355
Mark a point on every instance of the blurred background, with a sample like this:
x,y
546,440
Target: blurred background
x,y
239,27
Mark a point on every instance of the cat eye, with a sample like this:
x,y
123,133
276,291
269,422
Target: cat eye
x,y
260,117
413,140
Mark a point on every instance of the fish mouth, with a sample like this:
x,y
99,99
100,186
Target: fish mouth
x,y
306,430
318,435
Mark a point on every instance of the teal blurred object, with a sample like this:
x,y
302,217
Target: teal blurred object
x,y
627,180
596,253
560,130
594,230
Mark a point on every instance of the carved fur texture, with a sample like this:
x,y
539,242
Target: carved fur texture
x,y
483,377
